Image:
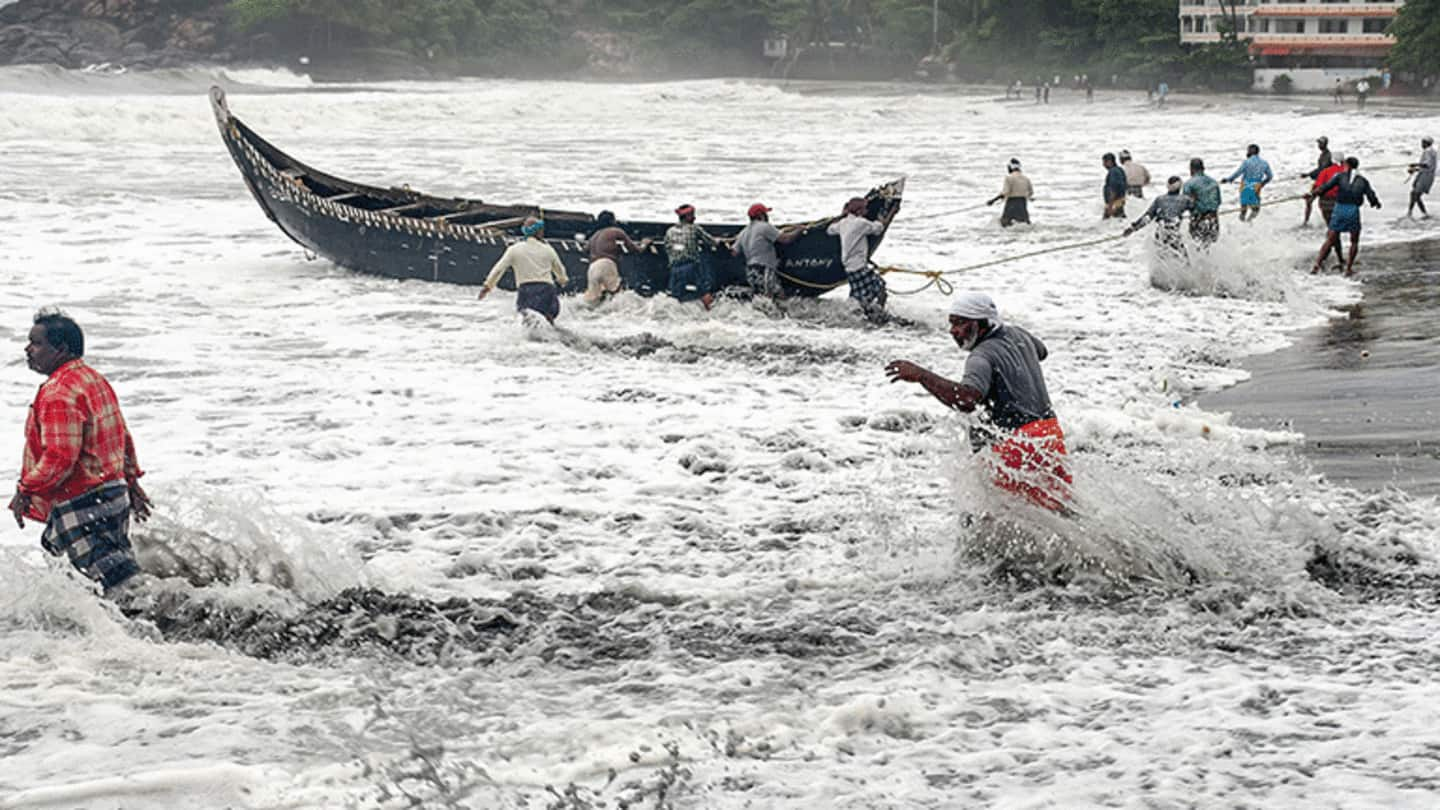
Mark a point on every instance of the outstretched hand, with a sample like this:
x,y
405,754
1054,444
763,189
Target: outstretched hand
x,y
1128,231
484,291
19,505
904,371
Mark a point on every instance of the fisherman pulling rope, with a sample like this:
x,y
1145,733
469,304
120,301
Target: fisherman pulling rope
x,y
1002,375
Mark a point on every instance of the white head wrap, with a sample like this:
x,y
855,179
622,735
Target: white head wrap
x,y
975,306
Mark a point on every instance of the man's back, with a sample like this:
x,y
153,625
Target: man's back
x,y
1005,368
756,242
605,243
1205,191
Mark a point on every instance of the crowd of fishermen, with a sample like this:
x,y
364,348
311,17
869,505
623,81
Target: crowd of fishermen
x,y
80,476
1336,184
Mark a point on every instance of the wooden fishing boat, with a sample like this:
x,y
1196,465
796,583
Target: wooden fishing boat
x,y
401,233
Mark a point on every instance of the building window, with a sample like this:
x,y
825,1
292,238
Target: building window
x,y
1289,26
1334,26
1375,25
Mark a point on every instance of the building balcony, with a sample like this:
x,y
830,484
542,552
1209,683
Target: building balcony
x,y
1325,10
1299,42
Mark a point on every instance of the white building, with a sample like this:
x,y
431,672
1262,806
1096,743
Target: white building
x,y
1314,42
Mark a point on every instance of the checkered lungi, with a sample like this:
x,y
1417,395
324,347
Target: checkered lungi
x,y
868,289
94,531
763,280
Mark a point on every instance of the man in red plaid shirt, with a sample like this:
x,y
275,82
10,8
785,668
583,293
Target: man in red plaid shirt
x,y
80,474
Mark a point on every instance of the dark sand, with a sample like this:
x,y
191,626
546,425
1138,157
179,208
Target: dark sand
x,y
1365,389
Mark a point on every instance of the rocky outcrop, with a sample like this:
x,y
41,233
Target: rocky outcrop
x,y
135,33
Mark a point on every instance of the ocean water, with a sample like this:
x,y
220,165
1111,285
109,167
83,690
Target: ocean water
x,y
410,553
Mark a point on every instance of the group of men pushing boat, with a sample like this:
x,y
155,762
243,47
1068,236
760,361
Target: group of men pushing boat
x,y
540,274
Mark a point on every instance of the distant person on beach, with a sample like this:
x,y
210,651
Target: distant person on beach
x,y
1254,172
1002,375
1114,189
603,275
1353,190
1424,171
1164,92
80,475
1339,91
1047,93
1321,164
538,271
1137,177
1362,91
1202,189
685,247
1166,212
1016,192
1327,200
756,245
854,228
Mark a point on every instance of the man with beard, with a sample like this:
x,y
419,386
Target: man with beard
x,y
80,475
1002,376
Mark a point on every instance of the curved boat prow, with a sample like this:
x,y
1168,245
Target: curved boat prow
x,y
218,105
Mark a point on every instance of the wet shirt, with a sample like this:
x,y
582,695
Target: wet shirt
x,y
532,260
1166,210
1320,165
684,241
1253,170
1115,183
1136,174
1353,189
854,246
756,242
1427,163
606,243
1017,185
75,439
1324,177
1203,189
1005,368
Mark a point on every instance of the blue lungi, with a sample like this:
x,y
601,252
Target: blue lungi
x,y
1345,218
690,280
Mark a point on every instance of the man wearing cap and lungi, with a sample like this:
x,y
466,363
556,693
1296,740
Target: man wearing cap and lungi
x,y
756,244
1003,374
685,246
1016,192
79,475
854,228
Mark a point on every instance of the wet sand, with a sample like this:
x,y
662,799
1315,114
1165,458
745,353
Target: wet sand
x,y
1364,389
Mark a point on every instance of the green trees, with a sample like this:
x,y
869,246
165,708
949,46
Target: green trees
x,y
1417,38
1137,39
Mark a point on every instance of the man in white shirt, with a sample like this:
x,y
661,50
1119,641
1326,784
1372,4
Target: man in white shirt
x,y
867,288
538,270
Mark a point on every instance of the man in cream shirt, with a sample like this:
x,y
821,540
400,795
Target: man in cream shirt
x,y
538,271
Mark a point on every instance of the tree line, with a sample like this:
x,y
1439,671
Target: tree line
x,y
1136,40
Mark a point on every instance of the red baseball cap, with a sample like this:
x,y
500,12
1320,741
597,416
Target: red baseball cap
x,y
756,210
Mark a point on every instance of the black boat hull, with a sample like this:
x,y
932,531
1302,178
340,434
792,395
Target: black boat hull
x,y
400,233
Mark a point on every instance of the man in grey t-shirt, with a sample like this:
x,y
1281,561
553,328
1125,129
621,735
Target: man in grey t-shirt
x,y
1003,375
756,243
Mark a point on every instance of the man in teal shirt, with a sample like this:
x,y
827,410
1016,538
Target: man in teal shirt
x,y
1205,216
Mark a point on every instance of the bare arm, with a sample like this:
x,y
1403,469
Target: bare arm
x,y
950,393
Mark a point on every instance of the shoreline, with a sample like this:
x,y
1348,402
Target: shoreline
x,y
1363,389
